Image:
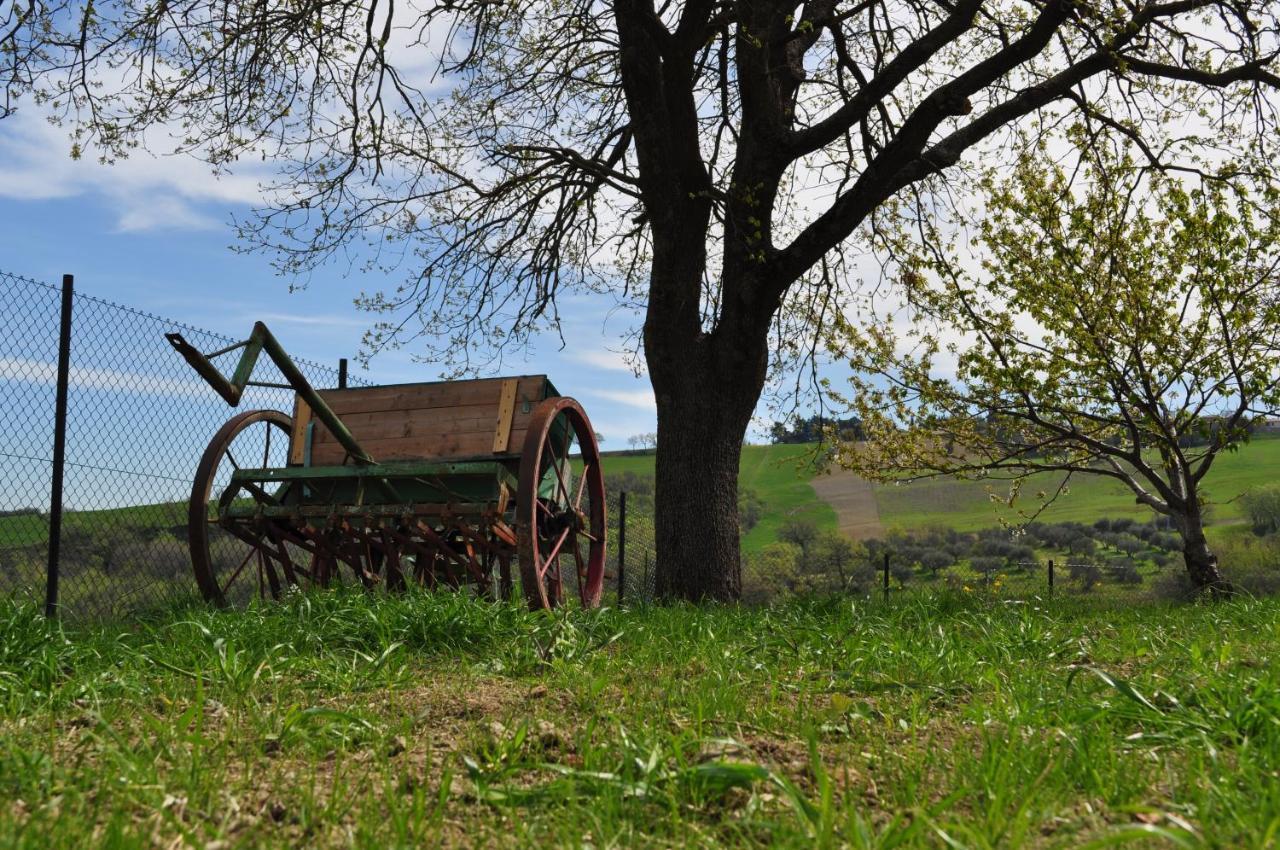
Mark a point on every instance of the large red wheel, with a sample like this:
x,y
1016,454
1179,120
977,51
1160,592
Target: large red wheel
x,y
235,563
560,521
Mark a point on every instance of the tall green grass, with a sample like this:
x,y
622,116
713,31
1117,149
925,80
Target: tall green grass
x,y
925,721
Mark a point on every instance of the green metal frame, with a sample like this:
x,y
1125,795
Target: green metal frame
x,y
231,389
377,487
482,478
406,469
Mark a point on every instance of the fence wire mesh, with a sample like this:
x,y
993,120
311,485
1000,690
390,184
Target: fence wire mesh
x,y
632,579
138,419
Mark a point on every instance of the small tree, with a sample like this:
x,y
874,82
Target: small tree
x,y
1131,546
835,556
1086,576
1262,506
1082,545
800,532
643,442
750,508
934,560
1021,556
986,566
1109,319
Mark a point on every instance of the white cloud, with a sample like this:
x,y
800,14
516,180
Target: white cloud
x,y
604,358
44,372
163,213
640,398
306,319
145,192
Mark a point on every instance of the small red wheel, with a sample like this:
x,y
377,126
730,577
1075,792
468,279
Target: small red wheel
x,y
555,515
244,558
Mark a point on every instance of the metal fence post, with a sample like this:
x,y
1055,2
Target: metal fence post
x,y
886,575
644,595
1051,575
622,545
342,373
59,449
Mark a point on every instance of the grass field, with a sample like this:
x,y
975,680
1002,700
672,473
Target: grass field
x,y
779,474
966,505
340,721
782,478
33,529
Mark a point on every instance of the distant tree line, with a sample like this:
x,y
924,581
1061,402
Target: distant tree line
x,y
807,559
800,429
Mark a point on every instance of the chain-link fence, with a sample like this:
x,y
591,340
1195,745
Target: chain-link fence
x,y
138,419
630,566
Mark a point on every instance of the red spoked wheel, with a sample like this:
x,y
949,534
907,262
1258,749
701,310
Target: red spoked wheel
x,y
560,522
235,562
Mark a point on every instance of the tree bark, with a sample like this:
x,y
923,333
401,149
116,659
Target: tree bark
x,y
706,393
696,505
1202,564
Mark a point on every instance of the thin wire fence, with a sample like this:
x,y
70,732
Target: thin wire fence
x,y
138,419
1113,560
1120,561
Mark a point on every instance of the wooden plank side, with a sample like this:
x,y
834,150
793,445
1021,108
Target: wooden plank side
x,y
410,422
297,437
421,396
384,424
506,413
374,399
418,434
435,447
449,447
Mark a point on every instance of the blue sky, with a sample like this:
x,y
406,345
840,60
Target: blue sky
x,y
152,233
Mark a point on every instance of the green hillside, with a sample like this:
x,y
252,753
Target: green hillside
x,y
780,475
33,529
967,505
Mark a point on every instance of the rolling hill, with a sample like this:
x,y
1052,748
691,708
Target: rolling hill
x,y
790,486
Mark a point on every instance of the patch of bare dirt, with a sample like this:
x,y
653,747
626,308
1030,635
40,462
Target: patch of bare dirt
x,y
854,502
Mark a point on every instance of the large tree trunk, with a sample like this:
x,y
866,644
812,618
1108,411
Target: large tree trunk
x,y
1202,564
696,507
706,387
702,419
